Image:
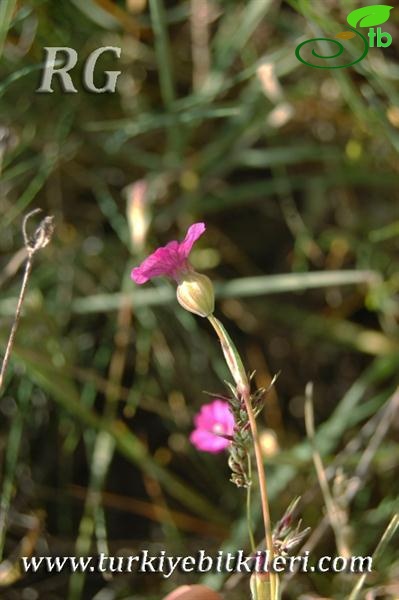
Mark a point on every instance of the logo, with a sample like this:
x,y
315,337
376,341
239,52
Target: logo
x,y
65,80
368,16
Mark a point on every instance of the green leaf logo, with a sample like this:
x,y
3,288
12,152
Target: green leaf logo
x,y
369,16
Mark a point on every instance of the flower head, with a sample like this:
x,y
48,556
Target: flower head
x,y
214,425
170,260
194,290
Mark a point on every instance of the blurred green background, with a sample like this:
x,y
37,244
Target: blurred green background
x,y
295,172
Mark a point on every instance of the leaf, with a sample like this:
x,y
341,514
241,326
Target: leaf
x,y
368,16
345,35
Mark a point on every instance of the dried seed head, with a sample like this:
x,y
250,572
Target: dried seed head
x,y
42,234
286,535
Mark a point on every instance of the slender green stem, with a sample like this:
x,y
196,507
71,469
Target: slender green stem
x,y
333,511
231,355
7,8
165,69
244,287
238,372
104,447
387,536
263,491
249,516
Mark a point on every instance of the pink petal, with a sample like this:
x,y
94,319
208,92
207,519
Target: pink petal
x,y
169,260
194,232
223,415
213,421
164,261
215,413
208,442
205,418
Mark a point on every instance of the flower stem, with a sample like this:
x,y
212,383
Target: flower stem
x,y
40,239
231,355
237,370
249,516
263,490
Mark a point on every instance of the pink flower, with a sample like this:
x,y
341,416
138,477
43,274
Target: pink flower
x,y
212,423
170,260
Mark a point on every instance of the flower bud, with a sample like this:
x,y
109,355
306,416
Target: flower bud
x,y
195,294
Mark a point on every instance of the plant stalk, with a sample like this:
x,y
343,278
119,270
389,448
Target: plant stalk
x,y
10,342
263,490
237,370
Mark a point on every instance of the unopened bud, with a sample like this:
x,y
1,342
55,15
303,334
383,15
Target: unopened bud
x,y
138,213
195,294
